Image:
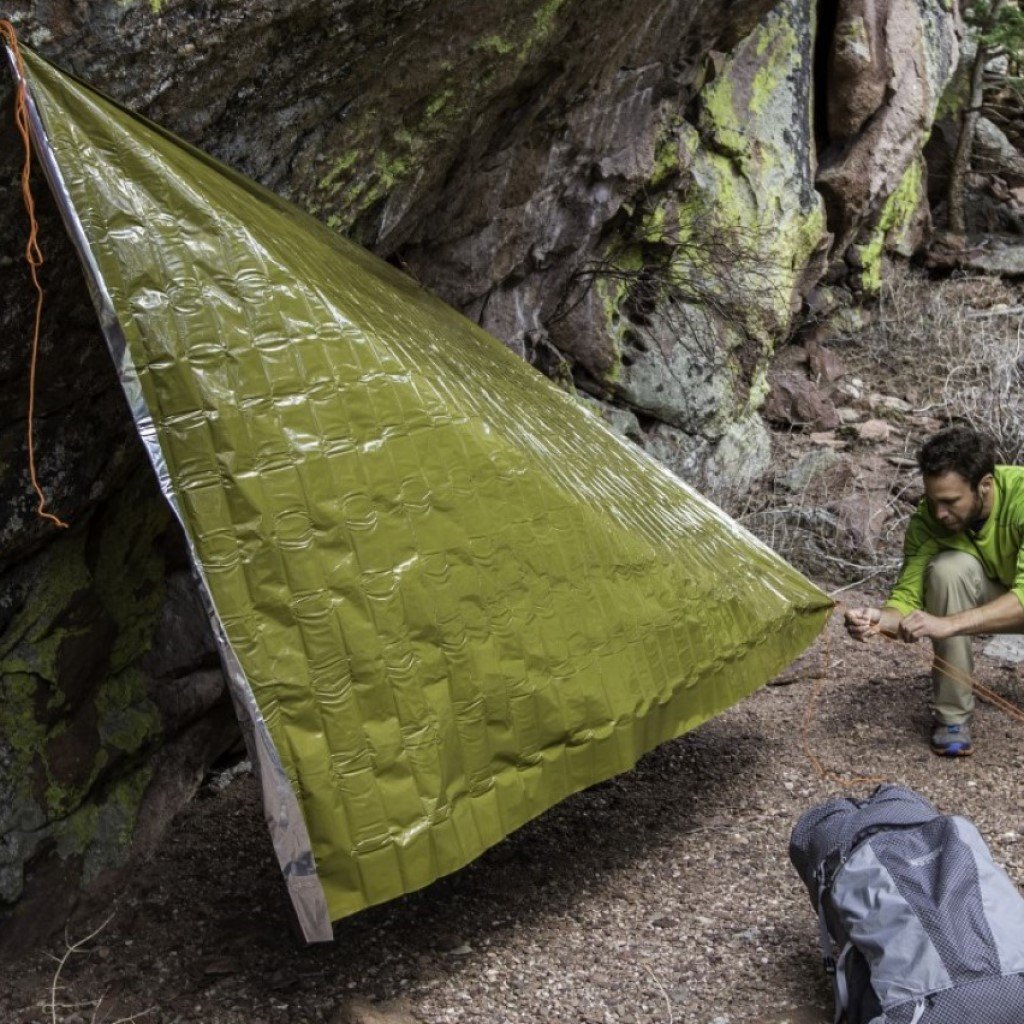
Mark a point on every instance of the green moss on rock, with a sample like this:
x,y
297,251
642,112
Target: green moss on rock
x,y
115,819
778,46
544,20
21,738
495,44
893,223
726,226
68,726
378,160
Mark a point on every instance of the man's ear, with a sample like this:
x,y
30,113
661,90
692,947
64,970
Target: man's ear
x,y
985,484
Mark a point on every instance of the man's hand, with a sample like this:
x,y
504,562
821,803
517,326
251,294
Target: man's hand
x,y
919,625
861,622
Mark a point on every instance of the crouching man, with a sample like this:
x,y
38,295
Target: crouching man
x,y
963,572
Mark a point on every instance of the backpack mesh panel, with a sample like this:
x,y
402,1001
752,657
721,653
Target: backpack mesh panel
x,y
989,1001
934,870
833,828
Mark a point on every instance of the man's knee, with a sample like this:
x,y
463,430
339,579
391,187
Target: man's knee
x,y
952,575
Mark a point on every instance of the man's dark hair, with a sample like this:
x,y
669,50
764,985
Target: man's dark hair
x,y
961,450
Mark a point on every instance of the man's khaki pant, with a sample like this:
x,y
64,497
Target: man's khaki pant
x,y
955,581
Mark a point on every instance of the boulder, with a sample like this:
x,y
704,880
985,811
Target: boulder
x,y
995,153
796,401
893,59
113,707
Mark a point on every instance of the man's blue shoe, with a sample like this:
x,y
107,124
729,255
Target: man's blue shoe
x,y
952,740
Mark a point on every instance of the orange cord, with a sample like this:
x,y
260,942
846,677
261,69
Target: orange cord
x,y
824,671
33,257
825,665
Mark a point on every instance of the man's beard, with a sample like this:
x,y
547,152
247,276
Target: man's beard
x,y
967,523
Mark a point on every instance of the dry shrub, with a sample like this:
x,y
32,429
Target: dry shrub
x,y
955,350
961,343
844,528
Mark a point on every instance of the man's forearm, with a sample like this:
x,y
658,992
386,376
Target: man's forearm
x,y
1003,615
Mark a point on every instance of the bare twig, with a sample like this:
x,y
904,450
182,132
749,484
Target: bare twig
x,y
133,1017
70,949
986,314
883,571
664,994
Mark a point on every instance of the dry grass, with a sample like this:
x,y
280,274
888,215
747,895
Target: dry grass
x,y
960,343
842,532
954,350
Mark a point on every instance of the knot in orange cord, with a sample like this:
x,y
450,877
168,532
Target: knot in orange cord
x,y
33,254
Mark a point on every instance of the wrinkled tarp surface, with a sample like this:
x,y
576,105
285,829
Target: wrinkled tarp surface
x,y
455,597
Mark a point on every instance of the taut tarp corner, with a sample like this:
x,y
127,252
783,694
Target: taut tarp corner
x,y
446,596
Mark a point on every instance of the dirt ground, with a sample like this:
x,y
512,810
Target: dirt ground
x,y
665,895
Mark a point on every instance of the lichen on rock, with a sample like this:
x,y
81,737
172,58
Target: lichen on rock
x,y
83,714
861,172
726,228
899,228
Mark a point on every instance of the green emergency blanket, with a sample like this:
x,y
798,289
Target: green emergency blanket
x,y
448,596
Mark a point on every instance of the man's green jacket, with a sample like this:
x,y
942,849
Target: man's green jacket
x,y
997,545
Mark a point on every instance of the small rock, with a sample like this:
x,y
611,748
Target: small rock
x,y
888,403
663,922
1009,649
796,401
221,965
848,414
813,464
850,391
825,364
447,943
828,439
849,320
873,430
362,1011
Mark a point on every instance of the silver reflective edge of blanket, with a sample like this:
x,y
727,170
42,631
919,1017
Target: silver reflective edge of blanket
x,y
281,808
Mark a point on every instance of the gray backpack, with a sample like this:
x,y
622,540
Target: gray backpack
x,y
929,929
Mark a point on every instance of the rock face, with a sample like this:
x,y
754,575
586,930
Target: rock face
x,y
113,703
891,60
692,283
635,197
